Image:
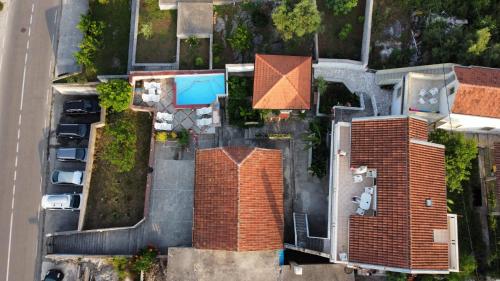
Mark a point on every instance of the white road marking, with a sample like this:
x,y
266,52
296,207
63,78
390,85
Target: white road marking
x,y
9,251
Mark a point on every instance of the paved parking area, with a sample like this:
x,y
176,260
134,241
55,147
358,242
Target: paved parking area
x,y
63,220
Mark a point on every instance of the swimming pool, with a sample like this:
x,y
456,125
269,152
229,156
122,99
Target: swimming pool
x,y
198,89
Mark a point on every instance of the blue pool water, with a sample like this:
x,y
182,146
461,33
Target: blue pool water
x,y
198,89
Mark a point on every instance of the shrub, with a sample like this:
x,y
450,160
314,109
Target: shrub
x,y
145,259
120,144
161,136
120,265
198,61
483,37
344,32
361,19
146,30
341,7
193,42
321,84
459,152
241,39
115,95
183,138
296,21
216,59
259,19
92,41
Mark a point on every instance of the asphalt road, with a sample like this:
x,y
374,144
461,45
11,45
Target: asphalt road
x,y
26,63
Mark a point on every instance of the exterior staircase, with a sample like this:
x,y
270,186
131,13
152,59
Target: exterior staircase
x,y
302,238
115,242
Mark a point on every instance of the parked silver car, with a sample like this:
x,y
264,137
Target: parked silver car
x,y
71,154
67,177
62,201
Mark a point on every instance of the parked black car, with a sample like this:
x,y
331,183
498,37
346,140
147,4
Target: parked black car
x,y
73,131
82,106
71,154
54,275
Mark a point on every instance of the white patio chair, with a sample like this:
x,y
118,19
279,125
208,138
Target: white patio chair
x,y
356,199
203,111
203,122
164,116
155,98
433,101
163,126
421,101
357,178
359,170
360,211
371,174
434,91
369,190
146,98
422,92
152,91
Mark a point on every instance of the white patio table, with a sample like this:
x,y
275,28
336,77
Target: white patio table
x,y
366,200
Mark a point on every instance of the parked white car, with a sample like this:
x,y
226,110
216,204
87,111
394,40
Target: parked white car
x,y
66,201
67,177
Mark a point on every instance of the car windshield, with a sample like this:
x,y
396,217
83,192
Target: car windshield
x,y
83,130
75,201
80,154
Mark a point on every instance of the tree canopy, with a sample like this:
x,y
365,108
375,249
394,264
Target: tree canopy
x,y
459,153
296,20
115,95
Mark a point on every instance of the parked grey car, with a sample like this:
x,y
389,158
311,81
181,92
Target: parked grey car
x,y
71,154
73,131
65,201
67,177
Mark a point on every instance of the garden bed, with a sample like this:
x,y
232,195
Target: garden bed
x,y
391,35
156,34
264,37
239,103
194,53
117,198
330,44
337,94
113,57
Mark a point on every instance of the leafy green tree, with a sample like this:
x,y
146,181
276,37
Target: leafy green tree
x,y
146,30
483,37
341,7
115,95
92,41
296,21
241,39
459,153
120,144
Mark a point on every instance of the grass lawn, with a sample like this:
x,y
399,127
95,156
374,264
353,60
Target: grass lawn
x,y
113,57
386,15
337,94
329,43
189,55
265,38
117,199
162,46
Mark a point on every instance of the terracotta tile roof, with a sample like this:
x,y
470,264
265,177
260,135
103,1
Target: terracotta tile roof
x,y
478,92
282,82
238,202
401,234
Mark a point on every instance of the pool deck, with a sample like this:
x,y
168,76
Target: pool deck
x,y
184,118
